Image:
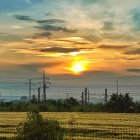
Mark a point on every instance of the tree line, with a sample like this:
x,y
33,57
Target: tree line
x,y
117,103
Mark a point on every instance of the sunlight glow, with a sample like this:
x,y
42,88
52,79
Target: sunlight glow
x,y
78,68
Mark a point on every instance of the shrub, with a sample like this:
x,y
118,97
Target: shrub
x,y
38,128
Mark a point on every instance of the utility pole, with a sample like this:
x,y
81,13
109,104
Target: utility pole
x,y
117,87
39,94
86,92
82,97
11,96
45,85
106,95
30,88
67,95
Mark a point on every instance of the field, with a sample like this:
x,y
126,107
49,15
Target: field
x,y
82,126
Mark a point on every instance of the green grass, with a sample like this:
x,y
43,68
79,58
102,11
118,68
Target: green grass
x,y
107,126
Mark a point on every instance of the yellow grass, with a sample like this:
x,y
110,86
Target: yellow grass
x,y
98,125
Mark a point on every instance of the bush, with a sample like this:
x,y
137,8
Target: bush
x,y
120,103
38,128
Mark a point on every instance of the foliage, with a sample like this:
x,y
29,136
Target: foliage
x,y
116,103
120,103
38,128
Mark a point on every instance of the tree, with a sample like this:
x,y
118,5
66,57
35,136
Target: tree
x,y
38,128
72,101
120,103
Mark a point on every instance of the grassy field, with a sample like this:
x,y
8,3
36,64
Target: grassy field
x,y
82,126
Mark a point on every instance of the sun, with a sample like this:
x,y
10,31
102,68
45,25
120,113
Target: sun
x,y
78,68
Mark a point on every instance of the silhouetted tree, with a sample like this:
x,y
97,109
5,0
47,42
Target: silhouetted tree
x,y
38,128
120,103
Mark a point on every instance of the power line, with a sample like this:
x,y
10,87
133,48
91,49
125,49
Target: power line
x,y
78,78
30,88
36,83
71,86
101,86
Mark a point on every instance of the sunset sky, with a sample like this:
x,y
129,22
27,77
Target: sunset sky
x,y
74,38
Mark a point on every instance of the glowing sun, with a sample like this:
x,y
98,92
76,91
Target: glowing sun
x,y
77,68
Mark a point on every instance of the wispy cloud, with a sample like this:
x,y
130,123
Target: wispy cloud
x,y
134,70
103,32
50,21
23,17
133,52
113,46
43,34
47,27
59,49
17,27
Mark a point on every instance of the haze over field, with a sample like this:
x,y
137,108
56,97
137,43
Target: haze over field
x,y
78,43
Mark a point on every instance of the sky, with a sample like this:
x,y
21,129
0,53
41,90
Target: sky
x,y
70,39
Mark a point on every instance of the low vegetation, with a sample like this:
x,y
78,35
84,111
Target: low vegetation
x,y
117,103
80,126
38,128
79,122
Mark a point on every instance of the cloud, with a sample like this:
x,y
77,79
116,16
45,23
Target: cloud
x,y
49,14
41,21
59,50
108,25
75,40
114,22
52,50
55,67
113,47
90,24
136,18
100,74
133,52
17,27
131,59
43,34
47,27
43,44
90,18
1,34
51,21
32,66
23,17
134,70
